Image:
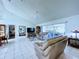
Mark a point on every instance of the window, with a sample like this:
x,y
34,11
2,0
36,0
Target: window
x,y
48,28
56,28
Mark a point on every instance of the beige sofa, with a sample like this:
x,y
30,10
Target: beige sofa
x,y
50,49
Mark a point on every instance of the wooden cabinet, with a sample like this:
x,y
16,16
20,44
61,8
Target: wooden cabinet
x,y
2,33
0,41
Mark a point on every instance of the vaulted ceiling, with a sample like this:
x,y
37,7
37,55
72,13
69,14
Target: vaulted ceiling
x,y
39,11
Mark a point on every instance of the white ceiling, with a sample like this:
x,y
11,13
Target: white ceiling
x,y
39,11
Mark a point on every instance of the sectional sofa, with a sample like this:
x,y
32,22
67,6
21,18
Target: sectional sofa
x,y
50,49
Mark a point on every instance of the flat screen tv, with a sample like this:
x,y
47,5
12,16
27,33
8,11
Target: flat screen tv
x,y
30,30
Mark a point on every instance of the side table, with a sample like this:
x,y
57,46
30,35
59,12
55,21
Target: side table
x,y
73,42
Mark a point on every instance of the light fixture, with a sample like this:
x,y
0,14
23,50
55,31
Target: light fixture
x,y
37,12
37,16
22,0
9,0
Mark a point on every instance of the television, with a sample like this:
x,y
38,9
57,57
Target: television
x,y
30,30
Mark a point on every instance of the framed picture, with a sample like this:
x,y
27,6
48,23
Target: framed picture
x,y
22,30
11,31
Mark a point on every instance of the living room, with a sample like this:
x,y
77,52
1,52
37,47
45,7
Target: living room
x,y
36,29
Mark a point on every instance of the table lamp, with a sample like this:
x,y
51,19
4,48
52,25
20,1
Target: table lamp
x,y
76,32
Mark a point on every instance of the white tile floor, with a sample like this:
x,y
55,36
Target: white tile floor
x,y
18,49
23,49
70,53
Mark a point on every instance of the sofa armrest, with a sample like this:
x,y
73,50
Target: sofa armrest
x,y
47,51
42,45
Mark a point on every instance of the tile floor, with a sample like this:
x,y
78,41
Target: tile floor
x,y
70,53
18,49
23,49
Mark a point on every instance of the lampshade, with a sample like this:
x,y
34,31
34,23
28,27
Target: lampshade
x,y
75,31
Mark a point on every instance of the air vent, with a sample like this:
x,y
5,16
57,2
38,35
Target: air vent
x,y
22,0
9,0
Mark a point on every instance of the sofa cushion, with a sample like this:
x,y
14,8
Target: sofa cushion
x,y
53,41
43,46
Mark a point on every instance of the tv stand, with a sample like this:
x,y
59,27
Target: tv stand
x,y
31,34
